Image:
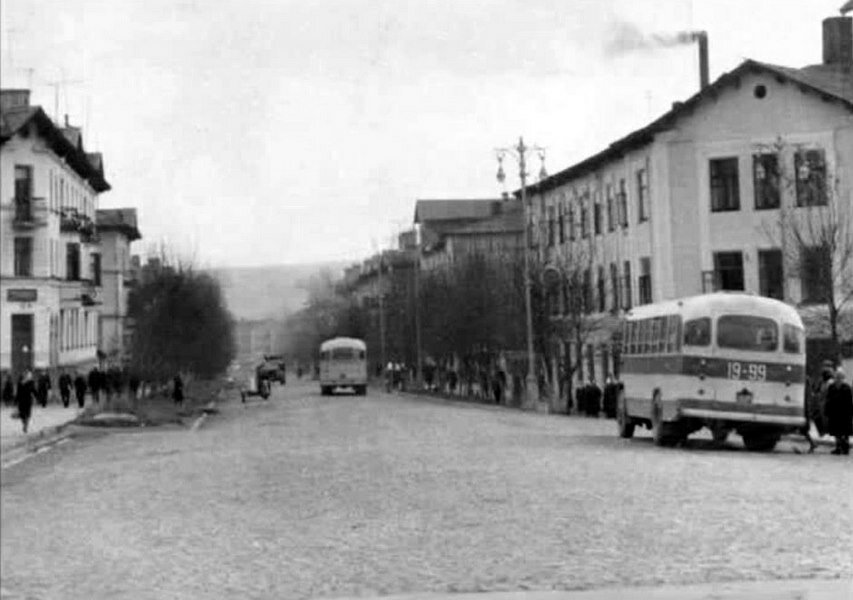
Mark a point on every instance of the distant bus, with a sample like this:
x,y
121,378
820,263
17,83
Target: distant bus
x,y
726,361
343,364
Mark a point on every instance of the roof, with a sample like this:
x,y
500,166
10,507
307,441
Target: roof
x,y
829,82
450,210
122,220
707,304
69,147
342,342
508,221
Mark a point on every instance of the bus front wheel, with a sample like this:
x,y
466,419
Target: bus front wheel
x,y
623,421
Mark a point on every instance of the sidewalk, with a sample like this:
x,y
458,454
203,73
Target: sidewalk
x,y
43,421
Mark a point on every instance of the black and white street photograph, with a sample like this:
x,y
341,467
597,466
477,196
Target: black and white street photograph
x,y
426,299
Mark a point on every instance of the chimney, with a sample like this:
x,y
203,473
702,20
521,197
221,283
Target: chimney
x,y
701,38
838,41
11,99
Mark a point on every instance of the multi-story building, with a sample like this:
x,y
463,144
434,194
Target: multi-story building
x,y
453,229
704,197
50,261
117,229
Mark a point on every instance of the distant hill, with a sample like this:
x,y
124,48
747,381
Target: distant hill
x,y
269,292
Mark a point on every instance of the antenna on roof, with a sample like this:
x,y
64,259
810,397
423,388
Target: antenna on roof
x,y
56,85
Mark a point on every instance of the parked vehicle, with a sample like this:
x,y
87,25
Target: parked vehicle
x,y
343,364
726,361
274,367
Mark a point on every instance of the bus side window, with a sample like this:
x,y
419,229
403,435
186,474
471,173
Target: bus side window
x,y
673,334
792,336
655,335
643,341
697,332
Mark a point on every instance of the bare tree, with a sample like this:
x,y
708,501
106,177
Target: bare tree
x,y
815,226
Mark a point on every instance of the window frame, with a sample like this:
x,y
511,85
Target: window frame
x,y
720,179
728,346
764,281
23,256
718,271
809,197
708,333
642,194
761,189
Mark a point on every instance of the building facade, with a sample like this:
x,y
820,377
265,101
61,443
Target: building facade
x,y
117,229
50,264
706,197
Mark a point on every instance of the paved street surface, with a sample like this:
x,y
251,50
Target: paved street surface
x,y
304,496
12,434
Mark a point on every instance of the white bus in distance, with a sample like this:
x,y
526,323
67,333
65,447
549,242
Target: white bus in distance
x,y
343,364
726,361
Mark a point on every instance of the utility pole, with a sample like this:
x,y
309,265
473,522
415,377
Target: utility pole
x,y
381,313
60,83
418,355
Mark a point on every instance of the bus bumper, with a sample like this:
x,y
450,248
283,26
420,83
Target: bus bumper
x,y
770,414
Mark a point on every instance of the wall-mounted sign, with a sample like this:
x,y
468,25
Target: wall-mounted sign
x,y
21,295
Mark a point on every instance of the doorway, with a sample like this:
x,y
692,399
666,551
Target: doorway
x,y
22,343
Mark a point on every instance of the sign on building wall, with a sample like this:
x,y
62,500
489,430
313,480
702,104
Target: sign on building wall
x,y
21,295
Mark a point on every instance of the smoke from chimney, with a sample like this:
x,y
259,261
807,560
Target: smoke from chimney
x,y
627,38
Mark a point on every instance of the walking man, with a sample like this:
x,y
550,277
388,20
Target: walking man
x,y
25,398
839,413
43,388
80,390
178,390
95,384
65,388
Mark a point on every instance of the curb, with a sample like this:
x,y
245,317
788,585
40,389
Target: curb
x,y
34,439
209,409
50,436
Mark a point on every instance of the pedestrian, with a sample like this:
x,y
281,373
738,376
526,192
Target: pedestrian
x,y
95,384
65,385
610,393
134,383
25,398
80,390
839,413
593,398
43,388
178,390
8,392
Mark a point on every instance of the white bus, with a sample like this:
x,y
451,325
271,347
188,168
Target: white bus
x,y
726,361
343,363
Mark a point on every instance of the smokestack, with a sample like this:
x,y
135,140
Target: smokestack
x,y
838,41
701,38
12,99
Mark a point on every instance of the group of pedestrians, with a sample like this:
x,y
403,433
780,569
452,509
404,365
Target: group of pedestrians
x,y
592,399
32,389
830,407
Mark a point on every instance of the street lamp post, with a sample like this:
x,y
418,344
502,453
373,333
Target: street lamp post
x,y
519,152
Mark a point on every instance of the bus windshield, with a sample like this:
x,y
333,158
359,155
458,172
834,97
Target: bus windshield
x,y
346,354
746,332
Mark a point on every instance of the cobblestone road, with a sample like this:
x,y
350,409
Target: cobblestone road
x,y
305,496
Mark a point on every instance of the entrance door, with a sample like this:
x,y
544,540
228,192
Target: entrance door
x,y
22,343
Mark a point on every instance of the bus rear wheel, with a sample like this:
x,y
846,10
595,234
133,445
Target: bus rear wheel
x,y
760,442
664,434
624,422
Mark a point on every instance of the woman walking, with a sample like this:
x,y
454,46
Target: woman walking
x,y
25,398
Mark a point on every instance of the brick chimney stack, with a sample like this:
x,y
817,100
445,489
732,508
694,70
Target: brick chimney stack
x,y
838,41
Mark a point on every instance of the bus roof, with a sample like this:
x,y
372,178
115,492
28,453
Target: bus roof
x,y
343,342
707,304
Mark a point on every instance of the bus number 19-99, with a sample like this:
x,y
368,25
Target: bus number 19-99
x,y
750,371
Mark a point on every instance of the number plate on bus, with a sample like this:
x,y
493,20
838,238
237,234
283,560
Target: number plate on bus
x,y
747,371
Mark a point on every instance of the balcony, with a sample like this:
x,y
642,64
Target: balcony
x,y
29,213
74,222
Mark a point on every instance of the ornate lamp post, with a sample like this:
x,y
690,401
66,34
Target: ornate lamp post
x,y
519,152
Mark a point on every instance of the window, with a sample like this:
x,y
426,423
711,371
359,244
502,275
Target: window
x,y
587,290
572,223
96,269
561,223
627,294
770,274
598,216
23,192
810,170
725,188
602,294
611,220
23,257
728,270
697,332
793,338
584,220
746,332
614,282
623,203
645,281
765,176
72,262
643,194
815,274
673,334
551,227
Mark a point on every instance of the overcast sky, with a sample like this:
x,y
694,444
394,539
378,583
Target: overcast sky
x,y
252,132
